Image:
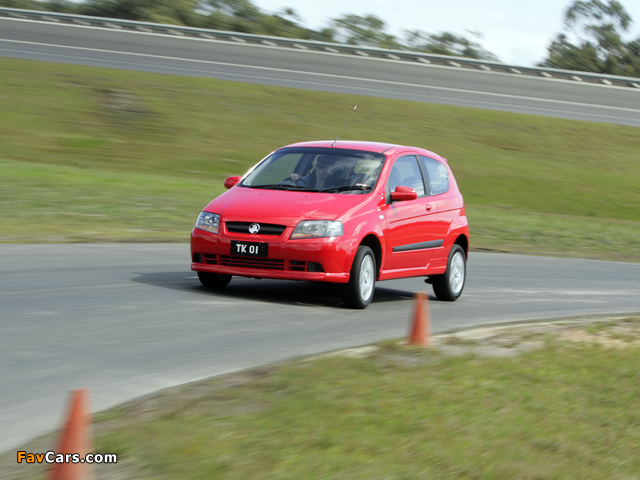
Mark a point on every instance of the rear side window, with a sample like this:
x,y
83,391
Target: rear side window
x,y
438,175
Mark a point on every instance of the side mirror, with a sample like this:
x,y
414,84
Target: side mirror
x,y
402,193
231,181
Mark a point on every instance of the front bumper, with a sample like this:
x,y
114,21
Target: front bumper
x,y
319,259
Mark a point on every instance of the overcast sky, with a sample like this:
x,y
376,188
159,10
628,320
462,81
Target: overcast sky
x,y
518,32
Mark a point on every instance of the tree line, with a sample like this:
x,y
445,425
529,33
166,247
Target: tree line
x,y
592,39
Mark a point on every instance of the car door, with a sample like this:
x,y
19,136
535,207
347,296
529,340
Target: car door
x,y
411,224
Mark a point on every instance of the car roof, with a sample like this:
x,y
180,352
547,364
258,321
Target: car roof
x,y
377,147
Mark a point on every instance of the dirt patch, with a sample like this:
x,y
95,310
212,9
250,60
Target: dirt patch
x,y
620,336
510,340
123,102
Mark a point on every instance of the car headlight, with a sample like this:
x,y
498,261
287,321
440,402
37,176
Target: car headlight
x,y
318,229
208,221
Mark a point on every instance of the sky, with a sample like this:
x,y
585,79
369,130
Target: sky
x,y
518,32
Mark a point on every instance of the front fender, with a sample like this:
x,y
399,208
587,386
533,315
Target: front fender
x,y
365,229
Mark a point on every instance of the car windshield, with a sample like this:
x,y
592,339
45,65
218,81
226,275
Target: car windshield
x,y
330,170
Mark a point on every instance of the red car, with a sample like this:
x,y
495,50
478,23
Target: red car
x,y
346,212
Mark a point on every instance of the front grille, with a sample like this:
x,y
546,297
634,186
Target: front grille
x,y
265,228
257,262
297,266
210,259
251,262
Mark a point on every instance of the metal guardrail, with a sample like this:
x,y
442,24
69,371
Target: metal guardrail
x,y
313,46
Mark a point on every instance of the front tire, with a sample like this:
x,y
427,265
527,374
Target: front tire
x,y
214,280
449,286
358,293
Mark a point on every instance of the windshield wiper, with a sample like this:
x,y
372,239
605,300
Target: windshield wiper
x,y
347,188
284,186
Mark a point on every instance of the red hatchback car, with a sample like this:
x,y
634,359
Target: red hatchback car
x,y
346,212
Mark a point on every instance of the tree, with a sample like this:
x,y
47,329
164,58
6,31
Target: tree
x,y
228,7
243,16
563,54
368,31
601,48
26,5
581,13
446,43
179,12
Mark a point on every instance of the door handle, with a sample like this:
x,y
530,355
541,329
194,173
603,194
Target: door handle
x,y
429,207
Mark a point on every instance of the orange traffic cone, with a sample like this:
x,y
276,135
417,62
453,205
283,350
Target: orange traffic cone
x,y
421,330
75,439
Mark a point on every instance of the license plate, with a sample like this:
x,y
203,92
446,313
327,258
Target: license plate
x,y
249,249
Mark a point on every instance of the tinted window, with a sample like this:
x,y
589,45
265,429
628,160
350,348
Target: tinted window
x,y
406,171
438,175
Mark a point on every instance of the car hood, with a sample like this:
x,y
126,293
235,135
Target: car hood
x,y
283,207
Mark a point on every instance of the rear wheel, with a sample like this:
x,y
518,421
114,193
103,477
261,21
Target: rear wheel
x,y
358,293
214,280
449,286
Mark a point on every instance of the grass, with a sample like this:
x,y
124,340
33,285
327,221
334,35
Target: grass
x,y
91,154
563,409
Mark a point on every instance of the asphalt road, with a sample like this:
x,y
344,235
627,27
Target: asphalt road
x,y
319,71
129,319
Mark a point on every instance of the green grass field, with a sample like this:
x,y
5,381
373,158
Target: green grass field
x,y
91,154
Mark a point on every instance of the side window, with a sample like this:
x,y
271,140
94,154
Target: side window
x,y
438,175
406,171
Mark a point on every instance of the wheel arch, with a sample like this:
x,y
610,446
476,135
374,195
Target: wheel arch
x,y
463,241
373,243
